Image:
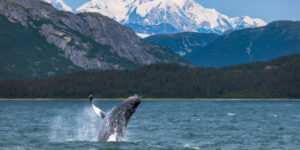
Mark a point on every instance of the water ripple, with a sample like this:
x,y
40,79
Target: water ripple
x,y
190,125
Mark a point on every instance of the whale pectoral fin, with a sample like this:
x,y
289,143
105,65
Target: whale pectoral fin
x,y
98,111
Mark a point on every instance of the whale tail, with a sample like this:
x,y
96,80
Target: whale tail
x,y
97,110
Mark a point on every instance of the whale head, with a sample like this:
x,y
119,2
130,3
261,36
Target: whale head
x,y
126,109
130,106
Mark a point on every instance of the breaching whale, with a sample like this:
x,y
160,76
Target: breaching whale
x,y
114,122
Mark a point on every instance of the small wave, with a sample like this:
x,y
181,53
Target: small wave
x,y
274,116
190,146
231,114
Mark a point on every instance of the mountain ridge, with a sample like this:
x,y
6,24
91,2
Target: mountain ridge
x,y
182,43
183,15
88,40
277,39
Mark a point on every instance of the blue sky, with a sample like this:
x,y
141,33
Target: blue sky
x,y
268,10
75,3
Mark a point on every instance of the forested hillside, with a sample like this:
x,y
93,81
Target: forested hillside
x,y
24,53
278,78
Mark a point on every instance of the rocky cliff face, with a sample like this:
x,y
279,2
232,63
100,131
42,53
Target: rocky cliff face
x,y
88,40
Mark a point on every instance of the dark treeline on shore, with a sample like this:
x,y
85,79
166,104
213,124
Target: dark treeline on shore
x,y
278,78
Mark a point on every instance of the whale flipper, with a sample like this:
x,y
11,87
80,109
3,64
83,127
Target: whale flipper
x,y
97,110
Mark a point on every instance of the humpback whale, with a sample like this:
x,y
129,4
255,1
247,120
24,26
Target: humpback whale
x,y
114,122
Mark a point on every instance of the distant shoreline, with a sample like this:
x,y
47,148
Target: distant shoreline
x,y
149,99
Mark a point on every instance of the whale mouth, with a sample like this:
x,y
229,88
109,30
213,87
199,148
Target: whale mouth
x,y
134,101
132,98
130,106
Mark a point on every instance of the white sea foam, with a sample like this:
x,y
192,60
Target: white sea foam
x,y
231,114
113,137
190,146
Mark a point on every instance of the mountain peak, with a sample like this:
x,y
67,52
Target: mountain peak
x,y
247,22
184,15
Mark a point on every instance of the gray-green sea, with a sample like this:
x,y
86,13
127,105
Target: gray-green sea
x,y
211,125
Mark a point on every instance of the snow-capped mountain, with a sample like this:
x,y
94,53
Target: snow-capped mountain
x,y
183,15
59,4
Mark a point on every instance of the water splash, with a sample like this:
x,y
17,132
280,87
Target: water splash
x,y
113,137
84,125
81,126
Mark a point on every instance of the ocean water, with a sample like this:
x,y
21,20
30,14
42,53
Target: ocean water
x,y
211,125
